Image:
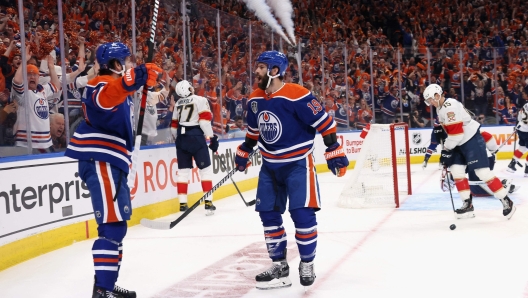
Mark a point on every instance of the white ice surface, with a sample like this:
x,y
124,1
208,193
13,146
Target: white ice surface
x,y
406,252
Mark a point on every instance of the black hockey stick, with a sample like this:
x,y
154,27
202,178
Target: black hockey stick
x,y
240,193
448,177
504,143
169,225
143,103
448,174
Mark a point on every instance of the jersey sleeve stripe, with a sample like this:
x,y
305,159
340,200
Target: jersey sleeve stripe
x,y
19,88
205,115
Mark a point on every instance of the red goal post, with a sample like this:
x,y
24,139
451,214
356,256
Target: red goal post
x,y
382,171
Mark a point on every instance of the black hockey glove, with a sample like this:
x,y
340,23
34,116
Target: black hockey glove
x,y
446,158
213,145
439,134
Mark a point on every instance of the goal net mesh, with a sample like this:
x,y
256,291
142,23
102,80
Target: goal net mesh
x,y
382,161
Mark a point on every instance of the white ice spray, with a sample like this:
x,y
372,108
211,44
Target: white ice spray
x,y
283,9
263,12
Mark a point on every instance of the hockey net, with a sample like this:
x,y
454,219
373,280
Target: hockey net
x,y
382,171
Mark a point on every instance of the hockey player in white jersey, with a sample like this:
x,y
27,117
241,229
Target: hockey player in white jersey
x,y
522,132
191,124
464,148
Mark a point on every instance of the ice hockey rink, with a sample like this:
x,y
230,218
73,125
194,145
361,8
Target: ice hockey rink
x,y
405,252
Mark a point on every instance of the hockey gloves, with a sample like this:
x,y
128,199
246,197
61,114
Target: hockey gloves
x,y
439,134
336,159
242,157
135,78
446,158
213,145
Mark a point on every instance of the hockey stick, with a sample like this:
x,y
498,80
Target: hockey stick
x,y
448,173
447,176
169,225
240,193
504,143
139,130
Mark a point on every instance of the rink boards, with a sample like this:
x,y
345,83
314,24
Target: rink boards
x,y
45,206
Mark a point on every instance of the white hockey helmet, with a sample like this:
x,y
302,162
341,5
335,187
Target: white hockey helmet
x,y
525,108
183,88
430,91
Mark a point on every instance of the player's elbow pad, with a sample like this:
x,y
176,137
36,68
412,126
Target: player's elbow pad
x,y
205,125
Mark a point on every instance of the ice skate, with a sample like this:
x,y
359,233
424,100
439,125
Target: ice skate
x,y
467,210
511,167
526,170
508,209
183,207
124,292
209,208
511,188
99,292
306,273
275,277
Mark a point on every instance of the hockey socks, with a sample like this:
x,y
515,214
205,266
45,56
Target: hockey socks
x,y
106,262
274,234
107,253
305,232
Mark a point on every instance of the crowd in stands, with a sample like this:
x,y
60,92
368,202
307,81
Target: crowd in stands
x,y
365,61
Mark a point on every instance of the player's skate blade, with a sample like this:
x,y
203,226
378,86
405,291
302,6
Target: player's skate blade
x,y
275,283
469,214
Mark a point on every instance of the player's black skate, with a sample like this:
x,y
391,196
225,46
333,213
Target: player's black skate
x,y
508,209
306,273
467,210
511,167
275,277
510,187
209,208
99,292
183,207
124,292
526,170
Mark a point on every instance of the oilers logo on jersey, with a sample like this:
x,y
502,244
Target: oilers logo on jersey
x,y
394,103
331,113
270,127
41,108
456,76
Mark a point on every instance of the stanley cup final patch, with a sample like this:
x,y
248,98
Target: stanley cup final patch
x,y
254,107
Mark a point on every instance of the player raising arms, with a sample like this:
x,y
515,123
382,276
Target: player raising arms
x,y
464,148
103,144
283,119
191,123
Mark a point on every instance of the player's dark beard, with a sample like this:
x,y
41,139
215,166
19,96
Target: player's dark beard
x,y
264,82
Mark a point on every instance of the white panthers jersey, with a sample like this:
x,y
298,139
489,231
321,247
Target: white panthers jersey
x,y
457,122
38,110
150,120
192,111
522,118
